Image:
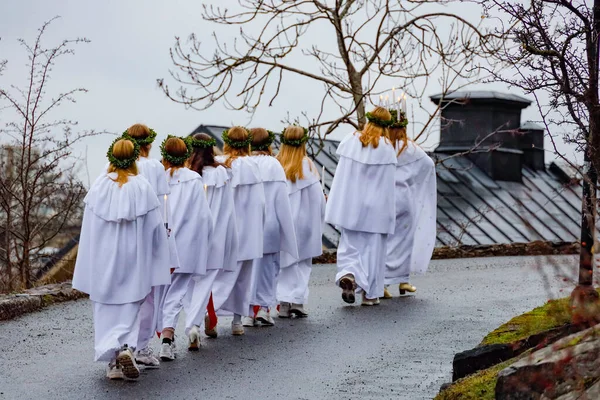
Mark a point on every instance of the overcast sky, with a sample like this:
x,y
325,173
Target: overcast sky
x,y
129,50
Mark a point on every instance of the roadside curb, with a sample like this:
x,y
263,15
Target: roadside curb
x,y
16,305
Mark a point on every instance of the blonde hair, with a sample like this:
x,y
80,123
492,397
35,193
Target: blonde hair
x,y
397,135
371,132
291,157
122,150
140,131
237,134
176,147
259,135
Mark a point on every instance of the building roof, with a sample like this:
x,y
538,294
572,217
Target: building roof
x,y
481,95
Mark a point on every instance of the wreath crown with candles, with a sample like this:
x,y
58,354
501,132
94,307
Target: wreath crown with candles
x,y
141,141
201,144
295,142
236,144
175,160
399,119
265,144
123,163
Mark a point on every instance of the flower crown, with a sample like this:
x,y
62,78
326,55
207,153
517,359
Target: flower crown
x,y
201,144
237,144
295,142
175,160
377,121
126,162
265,143
399,119
141,141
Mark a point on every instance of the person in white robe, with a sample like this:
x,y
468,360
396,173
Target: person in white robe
x,y
191,224
232,290
223,253
123,253
154,172
279,232
307,201
361,203
410,248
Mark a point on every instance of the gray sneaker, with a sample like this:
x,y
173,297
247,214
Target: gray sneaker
x,y
167,352
284,310
114,372
147,358
264,317
298,310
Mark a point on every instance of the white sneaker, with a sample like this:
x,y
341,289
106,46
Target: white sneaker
x,y
284,310
126,361
298,310
167,351
237,329
249,322
264,317
147,358
113,371
194,338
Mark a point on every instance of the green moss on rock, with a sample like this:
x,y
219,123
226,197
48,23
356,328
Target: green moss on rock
x,y
479,386
553,314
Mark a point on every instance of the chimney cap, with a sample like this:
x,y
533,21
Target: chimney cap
x,y
532,126
483,95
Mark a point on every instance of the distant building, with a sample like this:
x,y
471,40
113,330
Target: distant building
x,y
493,183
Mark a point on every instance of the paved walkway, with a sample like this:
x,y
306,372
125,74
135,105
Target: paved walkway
x,y
402,349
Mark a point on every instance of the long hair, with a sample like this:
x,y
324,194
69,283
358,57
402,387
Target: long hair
x,y
371,132
238,134
176,147
397,136
202,157
291,157
259,135
140,131
122,150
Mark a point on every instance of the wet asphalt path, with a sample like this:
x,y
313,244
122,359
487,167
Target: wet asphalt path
x,y
402,349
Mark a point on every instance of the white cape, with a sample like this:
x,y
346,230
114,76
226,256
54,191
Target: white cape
x,y
223,252
190,220
308,209
123,249
362,192
249,201
279,234
410,248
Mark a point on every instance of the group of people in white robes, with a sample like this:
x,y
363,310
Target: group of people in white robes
x,y
211,235
383,199
235,234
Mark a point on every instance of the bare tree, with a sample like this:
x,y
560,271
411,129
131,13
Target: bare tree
x,y
40,194
360,43
552,49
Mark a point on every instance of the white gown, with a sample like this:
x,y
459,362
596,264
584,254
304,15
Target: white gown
x,y
361,202
308,209
123,253
279,231
410,248
231,289
191,224
223,252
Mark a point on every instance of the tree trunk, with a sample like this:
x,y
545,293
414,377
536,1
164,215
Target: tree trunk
x,y
359,99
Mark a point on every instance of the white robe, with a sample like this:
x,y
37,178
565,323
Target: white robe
x,y
123,249
410,248
231,289
361,202
279,232
191,220
307,201
223,252
362,192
